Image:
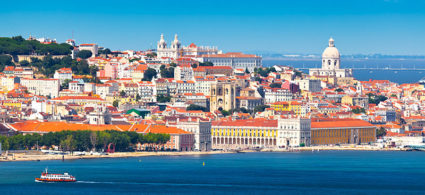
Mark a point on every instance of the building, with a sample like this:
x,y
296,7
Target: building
x,y
287,106
63,74
331,64
90,47
203,71
184,73
259,132
223,95
235,60
272,95
164,52
200,128
341,131
194,50
310,85
44,87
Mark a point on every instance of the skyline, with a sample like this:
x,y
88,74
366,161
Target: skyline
x,y
392,27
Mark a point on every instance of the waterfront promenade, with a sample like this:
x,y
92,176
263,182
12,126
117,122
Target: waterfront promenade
x,y
42,157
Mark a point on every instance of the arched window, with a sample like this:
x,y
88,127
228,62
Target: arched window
x,y
329,62
335,62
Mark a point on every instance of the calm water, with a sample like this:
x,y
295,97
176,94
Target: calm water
x,y
327,172
394,76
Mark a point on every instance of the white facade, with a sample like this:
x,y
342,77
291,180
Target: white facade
x,y
183,73
90,47
201,131
331,63
293,132
164,52
44,87
277,95
204,86
63,74
234,60
147,91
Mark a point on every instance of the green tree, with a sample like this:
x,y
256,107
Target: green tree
x,y
225,112
65,84
276,85
149,74
247,71
163,99
24,63
122,93
381,132
260,108
206,64
196,107
84,54
115,103
339,90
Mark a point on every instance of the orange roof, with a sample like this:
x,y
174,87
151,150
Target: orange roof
x,y
36,126
258,122
78,97
340,123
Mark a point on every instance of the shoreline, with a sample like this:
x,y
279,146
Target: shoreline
x,y
45,157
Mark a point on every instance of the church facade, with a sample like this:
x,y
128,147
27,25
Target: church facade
x,y
331,64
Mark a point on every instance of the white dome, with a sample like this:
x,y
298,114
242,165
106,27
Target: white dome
x,y
331,51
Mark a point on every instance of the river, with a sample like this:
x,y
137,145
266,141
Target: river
x,y
324,172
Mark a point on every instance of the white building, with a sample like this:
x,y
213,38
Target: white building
x,y
164,52
185,87
44,87
235,60
272,95
183,73
147,91
63,74
193,50
90,47
203,85
200,129
293,132
331,63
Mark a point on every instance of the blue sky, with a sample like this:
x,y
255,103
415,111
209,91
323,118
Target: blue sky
x,y
358,26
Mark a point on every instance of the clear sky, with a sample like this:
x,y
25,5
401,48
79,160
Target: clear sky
x,y
297,26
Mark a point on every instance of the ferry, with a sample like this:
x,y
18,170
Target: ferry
x,y
49,177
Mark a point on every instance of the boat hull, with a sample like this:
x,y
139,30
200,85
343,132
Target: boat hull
x,y
53,180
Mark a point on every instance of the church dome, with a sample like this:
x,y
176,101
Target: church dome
x,y
331,51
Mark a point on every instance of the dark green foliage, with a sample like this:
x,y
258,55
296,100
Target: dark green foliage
x,y
65,84
115,103
84,54
276,85
206,64
83,140
5,60
339,90
167,72
24,63
19,46
104,51
374,99
151,55
381,132
225,112
264,72
163,99
48,65
149,74
358,110
261,108
196,107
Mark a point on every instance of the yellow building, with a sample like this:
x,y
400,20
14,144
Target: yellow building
x,y
342,131
288,106
244,133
